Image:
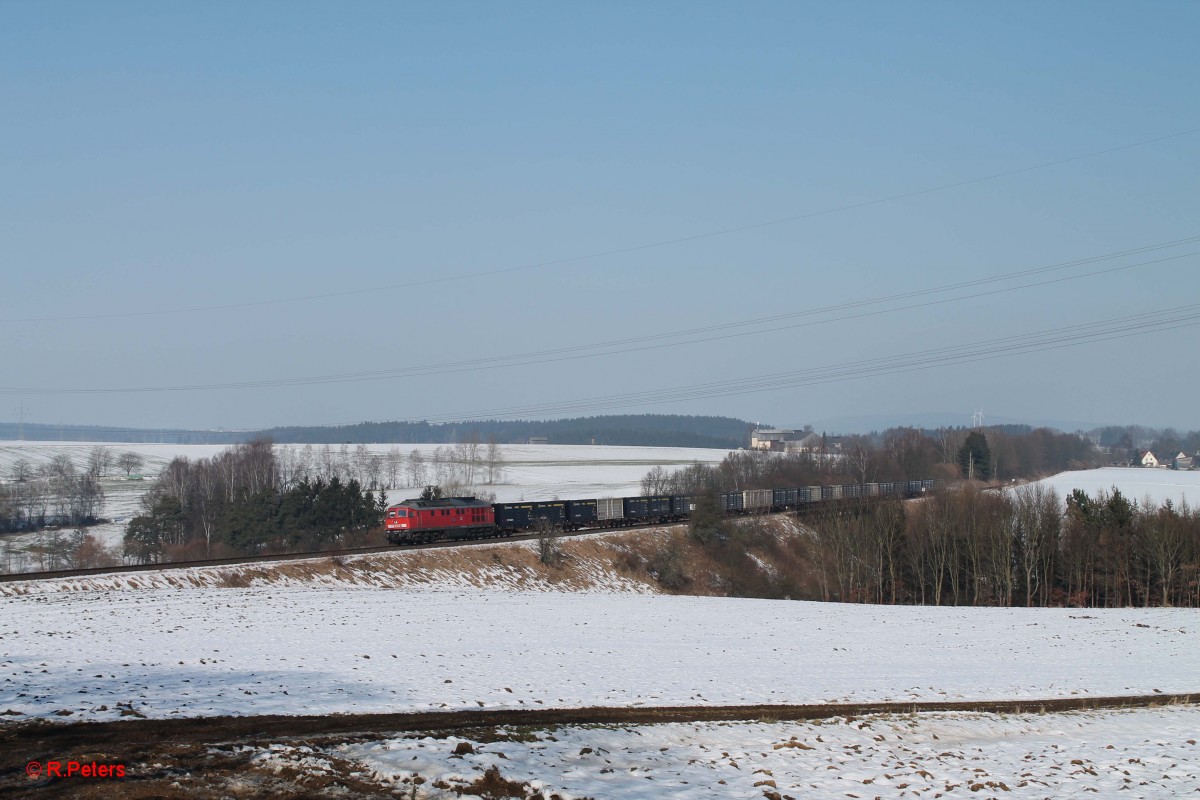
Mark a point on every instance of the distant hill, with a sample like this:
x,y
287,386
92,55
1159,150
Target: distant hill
x,y
864,423
644,430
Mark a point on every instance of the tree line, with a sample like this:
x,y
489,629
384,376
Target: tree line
x,y
240,502
258,498
898,454
963,546
56,494
1021,547
1127,442
61,500
463,466
647,430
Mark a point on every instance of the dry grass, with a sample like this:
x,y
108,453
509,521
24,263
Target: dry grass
x,y
766,558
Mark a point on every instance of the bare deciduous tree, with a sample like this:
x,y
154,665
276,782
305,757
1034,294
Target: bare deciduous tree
x,y
373,470
860,455
129,461
417,476
440,462
395,467
59,466
466,456
656,481
495,461
100,460
20,470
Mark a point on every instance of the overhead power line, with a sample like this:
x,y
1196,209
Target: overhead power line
x,y
1159,321
692,336
1041,341
604,253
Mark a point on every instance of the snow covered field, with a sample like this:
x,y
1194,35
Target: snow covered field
x,y
1135,483
294,650
327,644
1145,753
532,472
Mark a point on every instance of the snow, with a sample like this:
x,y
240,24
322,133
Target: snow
x,y
477,566
1151,752
386,633
532,472
1136,483
547,472
312,650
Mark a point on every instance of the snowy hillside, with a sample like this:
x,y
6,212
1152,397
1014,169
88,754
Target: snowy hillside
x,y
1136,483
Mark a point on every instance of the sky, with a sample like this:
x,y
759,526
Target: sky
x,y
366,210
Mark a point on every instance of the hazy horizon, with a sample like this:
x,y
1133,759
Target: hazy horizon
x,y
255,216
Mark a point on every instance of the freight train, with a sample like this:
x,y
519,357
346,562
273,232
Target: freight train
x,y
429,520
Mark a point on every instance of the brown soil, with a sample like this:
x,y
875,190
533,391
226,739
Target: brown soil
x,y
215,757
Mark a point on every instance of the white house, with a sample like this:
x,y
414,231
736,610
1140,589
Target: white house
x,y
1148,459
776,439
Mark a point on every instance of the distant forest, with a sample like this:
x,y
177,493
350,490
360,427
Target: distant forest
x,y
1121,443
645,430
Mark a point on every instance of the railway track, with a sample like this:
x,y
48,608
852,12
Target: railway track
x,y
12,577
310,554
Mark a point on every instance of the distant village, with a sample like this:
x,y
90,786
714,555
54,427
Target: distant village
x,y
1178,461
807,441
779,440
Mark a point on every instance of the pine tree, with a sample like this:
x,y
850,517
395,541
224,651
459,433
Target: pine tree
x,y
975,457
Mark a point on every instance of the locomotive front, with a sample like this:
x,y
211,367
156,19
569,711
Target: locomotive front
x,y
415,521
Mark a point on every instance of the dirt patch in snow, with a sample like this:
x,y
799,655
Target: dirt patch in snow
x,y
270,756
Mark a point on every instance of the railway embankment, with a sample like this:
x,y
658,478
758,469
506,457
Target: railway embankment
x,y
766,558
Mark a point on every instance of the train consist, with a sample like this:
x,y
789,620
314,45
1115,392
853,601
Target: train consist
x,y
428,520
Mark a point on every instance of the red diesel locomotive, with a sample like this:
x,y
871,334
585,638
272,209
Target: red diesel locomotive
x,y
433,518
415,521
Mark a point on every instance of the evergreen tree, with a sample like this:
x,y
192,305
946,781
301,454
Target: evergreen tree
x,y
147,535
975,457
708,520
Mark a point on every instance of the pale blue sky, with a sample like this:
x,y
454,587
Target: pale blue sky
x,y
159,156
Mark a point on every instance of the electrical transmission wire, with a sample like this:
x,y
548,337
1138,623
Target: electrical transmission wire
x,y
1159,321
1071,336
603,253
706,334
